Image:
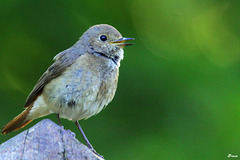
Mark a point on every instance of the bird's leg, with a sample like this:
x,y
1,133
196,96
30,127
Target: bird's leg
x,y
86,140
84,136
59,121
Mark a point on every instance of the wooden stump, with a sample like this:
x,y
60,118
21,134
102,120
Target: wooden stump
x,y
45,141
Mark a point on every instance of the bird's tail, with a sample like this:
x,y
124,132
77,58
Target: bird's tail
x,y
18,122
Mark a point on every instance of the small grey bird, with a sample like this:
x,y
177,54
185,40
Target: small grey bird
x,y
80,83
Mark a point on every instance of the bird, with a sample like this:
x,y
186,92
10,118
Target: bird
x,y
80,83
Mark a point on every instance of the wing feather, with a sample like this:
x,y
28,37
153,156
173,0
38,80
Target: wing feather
x,y
62,61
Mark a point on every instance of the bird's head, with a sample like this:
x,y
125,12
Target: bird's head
x,y
105,40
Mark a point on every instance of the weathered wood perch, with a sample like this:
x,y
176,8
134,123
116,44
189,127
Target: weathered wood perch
x,y
45,141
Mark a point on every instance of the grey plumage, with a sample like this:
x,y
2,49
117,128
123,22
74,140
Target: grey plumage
x,y
82,80
68,57
80,83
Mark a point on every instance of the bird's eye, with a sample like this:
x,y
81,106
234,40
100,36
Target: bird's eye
x,y
103,38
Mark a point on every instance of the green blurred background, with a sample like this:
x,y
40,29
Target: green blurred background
x,y
178,95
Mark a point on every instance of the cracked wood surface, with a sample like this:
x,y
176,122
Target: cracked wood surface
x,y
47,141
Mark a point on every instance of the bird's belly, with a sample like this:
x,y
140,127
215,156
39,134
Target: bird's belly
x,y
79,95
82,110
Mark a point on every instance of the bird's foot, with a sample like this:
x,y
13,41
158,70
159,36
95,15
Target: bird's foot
x,y
95,152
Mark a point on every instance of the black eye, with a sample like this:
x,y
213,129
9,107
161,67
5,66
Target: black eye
x,y
103,38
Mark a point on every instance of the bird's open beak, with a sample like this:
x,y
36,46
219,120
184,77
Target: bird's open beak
x,y
120,42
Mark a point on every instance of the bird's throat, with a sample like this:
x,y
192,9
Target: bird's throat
x,y
115,59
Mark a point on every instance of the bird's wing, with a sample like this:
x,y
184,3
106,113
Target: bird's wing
x,y
62,61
